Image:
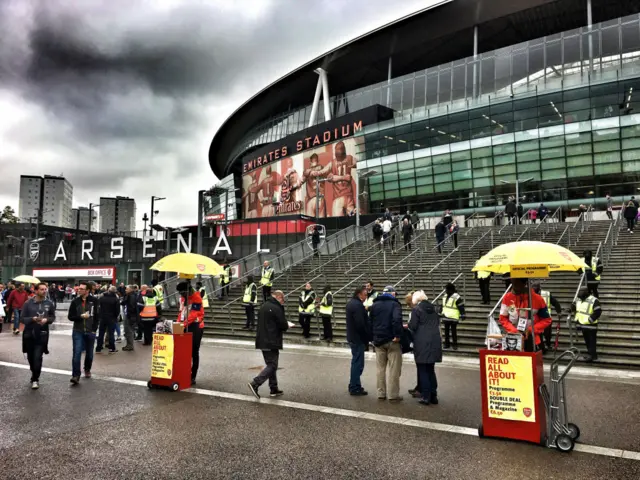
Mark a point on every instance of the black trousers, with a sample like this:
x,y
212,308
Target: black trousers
x,y
196,340
592,288
439,241
109,328
148,327
304,319
224,287
450,328
266,292
428,380
609,214
251,315
547,336
271,358
485,289
455,239
327,327
34,356
590,339
407,242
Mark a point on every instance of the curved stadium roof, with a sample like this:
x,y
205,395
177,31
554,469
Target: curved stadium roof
x,y
427,38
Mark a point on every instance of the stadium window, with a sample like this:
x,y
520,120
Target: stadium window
x,y
553,174
528,167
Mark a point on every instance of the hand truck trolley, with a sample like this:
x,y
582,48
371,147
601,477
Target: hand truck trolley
x,y
561,434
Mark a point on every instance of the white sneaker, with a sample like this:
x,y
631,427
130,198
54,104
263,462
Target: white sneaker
x,y
35,385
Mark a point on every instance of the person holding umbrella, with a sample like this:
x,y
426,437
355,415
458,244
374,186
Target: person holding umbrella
x,y
518,315
191,313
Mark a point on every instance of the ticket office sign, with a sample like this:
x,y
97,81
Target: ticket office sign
x,y
510,388
162,356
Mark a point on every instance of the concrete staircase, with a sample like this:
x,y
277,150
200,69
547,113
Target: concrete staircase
x,y
618,338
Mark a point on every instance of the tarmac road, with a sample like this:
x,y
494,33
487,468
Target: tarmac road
x,y
112,426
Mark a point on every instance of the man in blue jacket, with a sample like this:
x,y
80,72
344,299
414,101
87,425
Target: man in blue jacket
x,y
358,337
385,316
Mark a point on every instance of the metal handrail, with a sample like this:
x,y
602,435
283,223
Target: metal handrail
x,y
608,245
299,287
444,289
346,285
566,230
499,302
548,218
364,261
524,215
440,262
490,231
417,250
403,279
522,234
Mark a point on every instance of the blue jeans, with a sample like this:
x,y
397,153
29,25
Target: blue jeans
x,y
82,341
427,380
117,329
109,329
16,318
357,366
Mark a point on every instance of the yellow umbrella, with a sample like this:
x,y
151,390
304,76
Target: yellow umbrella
x,y
26,279
529,259
188,263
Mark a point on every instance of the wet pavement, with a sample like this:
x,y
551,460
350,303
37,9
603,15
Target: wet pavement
x,y
112,426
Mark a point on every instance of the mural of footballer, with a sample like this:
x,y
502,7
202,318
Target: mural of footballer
x,y
267,189
312,182
250,198
338,172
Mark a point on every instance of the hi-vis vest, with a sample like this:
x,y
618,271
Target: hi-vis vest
x,y
149,310
546,296
584,309
247,294
267,275
226,273
483,274
449,307
594,266
304,296
205,299
324,308
369,301
159,293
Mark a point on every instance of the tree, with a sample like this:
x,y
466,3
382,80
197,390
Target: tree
x,y
8,215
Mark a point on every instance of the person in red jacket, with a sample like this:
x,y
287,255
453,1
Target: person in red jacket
x,y
514,320
16,300
191,314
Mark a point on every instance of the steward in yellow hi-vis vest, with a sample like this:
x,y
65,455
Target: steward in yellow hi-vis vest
x,y
452,313
593,270
249,300
266,280
306,309
326,313
484,282
587,311
203,294
372,294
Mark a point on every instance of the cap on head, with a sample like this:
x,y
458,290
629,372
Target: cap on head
x,y
389,289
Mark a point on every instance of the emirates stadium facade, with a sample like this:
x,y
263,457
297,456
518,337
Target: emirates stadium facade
x,y
448,108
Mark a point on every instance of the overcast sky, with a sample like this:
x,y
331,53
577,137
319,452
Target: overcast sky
x,y
124,96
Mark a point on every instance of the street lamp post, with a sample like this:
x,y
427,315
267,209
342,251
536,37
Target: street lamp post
x,y
364,175
145,219
517,184
153,200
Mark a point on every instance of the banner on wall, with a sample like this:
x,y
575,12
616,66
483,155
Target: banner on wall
x,y
290,185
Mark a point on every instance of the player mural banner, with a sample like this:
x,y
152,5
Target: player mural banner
x,y
289,186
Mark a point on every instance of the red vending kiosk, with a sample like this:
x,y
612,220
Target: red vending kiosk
x,y
171,361
512,406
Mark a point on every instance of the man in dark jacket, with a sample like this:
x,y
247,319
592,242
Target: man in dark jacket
x,y
427,346
511,210
109,310
542,212
385,317
407,231
441,231
83,312
358,337
37,314
130,305
272,324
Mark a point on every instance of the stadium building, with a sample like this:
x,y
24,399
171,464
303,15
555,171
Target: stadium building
x,y
448,108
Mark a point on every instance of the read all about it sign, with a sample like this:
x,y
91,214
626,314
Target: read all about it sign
x,y
510,388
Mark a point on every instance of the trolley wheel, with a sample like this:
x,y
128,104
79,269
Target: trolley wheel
x,y
480,431
175,387
564,442
149,385
574,431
